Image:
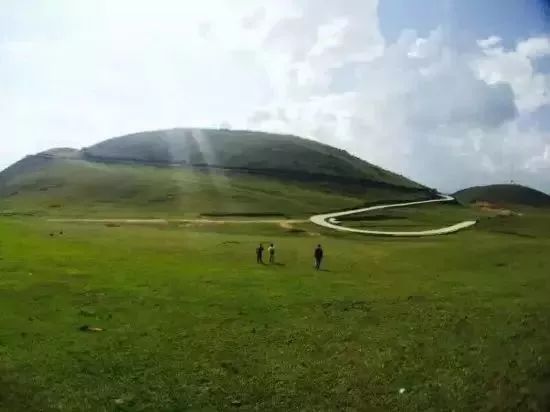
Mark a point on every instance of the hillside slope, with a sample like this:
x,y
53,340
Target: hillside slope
x,y
504,194
162,173
244,150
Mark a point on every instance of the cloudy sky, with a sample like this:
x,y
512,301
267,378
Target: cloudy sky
x,y
448,92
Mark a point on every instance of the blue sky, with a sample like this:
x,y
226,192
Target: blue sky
x,y
449,93
467,19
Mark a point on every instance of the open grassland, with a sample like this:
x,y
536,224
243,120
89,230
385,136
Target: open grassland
x,y
190,322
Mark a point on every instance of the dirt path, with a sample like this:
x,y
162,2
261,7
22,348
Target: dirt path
x,y
329,220
286,223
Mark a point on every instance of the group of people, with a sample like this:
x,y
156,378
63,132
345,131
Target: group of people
x,y
317,255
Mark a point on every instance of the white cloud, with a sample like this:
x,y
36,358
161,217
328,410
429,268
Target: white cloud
x,y
516,67
534,47
420,108
490,41
79,72
446,117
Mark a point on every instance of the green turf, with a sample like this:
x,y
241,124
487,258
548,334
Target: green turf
x,y
460,322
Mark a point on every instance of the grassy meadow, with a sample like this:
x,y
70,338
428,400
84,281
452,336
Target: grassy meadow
x,y
189,321
77,188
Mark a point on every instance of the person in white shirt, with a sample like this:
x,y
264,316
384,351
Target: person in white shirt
x,y
271,251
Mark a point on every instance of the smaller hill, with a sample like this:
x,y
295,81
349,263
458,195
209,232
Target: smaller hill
x,y
504,194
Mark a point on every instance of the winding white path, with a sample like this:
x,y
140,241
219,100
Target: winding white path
x,y
329,220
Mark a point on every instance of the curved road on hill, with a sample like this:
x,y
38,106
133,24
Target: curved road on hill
x,y
329,220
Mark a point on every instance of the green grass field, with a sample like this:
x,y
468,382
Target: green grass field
x,y
460,322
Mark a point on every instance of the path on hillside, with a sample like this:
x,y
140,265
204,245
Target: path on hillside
x,y
328,220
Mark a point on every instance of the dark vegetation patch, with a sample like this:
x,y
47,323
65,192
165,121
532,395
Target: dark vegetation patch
x,y
512,233
296,231
542,390
347,305
244,214
18,396
18,213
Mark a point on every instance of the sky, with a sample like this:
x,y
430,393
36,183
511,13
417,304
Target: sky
x,y
451,93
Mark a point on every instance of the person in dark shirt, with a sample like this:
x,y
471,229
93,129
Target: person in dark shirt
x,y
260,254
318,255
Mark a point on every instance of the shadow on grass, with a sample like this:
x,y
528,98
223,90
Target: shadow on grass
x,y
15,396
509,232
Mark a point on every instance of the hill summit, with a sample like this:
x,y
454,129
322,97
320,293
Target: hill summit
x,y
241,150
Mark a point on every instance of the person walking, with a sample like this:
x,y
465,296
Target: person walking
x,y
271,250
318,256
260,254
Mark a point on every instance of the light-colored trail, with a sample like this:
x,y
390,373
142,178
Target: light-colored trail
x,y
329,220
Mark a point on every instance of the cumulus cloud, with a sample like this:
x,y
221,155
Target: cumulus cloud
x,y
78,72
449,118
534,47
517,68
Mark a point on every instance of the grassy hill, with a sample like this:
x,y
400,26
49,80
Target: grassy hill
x,y
504,194
184,172
243,150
